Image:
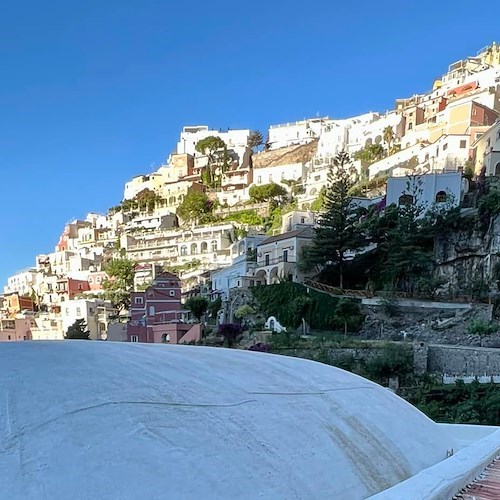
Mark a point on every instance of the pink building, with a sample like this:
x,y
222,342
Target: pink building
x,y
156,314
70,288
12,330
96,279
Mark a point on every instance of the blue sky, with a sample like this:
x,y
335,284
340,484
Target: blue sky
x,y
95,92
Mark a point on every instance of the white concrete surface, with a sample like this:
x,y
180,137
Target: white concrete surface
x,y
83,419
446,479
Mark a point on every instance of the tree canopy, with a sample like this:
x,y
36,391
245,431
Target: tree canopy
x,y
338,231
255,139
370,153
120,282
267,192
78,330
197,208
218,159
198,306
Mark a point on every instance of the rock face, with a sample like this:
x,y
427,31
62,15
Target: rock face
x,y
436,326
468,259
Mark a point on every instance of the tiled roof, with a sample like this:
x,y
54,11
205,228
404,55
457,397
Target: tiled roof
x,y
306,232
486,487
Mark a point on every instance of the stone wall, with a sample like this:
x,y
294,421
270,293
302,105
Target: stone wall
x,y
460,362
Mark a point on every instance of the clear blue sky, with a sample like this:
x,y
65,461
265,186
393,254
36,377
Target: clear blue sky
x,y
95,92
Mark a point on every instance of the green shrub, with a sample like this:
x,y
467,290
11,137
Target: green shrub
x,y
481,327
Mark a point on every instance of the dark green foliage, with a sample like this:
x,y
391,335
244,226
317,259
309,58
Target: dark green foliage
x,y
268,192
394,361
370,154
218,160
231,333
481,328
289,303
348,313
247,217
338,229
78,330
319,203
198,306
472,403
215,306
120,282
255,139
197,208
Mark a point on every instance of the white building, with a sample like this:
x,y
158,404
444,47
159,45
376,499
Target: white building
x,y
296,133
207,245
95,313
47,326
426,190
240,274
23,282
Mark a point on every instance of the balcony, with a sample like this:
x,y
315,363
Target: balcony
x,y
277,260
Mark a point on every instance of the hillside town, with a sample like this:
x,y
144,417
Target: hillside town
x,y
230,210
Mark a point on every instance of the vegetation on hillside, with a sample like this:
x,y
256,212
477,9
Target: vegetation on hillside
x,y
78,331
120,282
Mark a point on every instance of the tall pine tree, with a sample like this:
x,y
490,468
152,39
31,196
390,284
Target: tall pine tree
x,y
338,231
78,330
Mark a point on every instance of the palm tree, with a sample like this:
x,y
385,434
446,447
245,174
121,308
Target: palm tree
x,y
388,135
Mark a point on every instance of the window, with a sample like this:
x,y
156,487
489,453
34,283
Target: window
x,y
152,310
134,338
78,311
67,311
282,175
91,280
266,259
405,200
302,220
259,179
445,147
410,126
285,255
463,144
184,250
139,301
441,197
497,169
98,279
172,293
270,177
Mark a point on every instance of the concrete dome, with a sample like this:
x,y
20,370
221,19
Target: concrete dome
x,y
110,420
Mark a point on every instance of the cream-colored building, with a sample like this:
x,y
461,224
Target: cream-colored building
x,y
278,256
486,151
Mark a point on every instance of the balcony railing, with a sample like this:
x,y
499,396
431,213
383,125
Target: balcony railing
x,y
270,262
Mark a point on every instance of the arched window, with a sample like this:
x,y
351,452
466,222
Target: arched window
x,y
184,250
441,197
165,338
194,248
497,168
405,200
204,247
214,246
